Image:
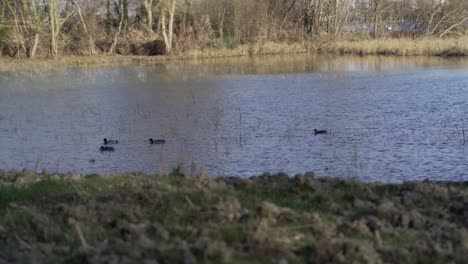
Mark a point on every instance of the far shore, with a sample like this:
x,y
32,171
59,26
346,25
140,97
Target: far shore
x,y
388,47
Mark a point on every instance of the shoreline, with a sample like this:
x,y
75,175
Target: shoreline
x,y
385,47
12,64
134,217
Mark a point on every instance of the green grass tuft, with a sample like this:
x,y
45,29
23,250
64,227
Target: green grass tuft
x,y
9,194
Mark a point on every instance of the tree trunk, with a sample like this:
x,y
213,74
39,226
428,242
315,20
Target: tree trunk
x,y
376,19
168,32
53,27
318,17
164,32
91,43
308,17
35,44
221,24
20,43
429,24
453,26
148,5
116,35
171,23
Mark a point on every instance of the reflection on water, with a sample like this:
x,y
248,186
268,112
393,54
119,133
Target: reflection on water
x,y
391,119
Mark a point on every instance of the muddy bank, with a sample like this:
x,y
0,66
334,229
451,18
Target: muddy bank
x,y
136,218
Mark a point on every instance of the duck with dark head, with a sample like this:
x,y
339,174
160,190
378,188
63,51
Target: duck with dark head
x,y
110,141
320,132
157,141
106,148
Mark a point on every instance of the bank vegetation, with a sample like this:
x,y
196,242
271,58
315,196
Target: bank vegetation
x,y
136,218
206,28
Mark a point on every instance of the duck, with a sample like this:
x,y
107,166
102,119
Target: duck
x,y
106,148
110,141
321,131
157,141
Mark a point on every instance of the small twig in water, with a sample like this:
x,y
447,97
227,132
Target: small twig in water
x,y
37,164
240,127
463,132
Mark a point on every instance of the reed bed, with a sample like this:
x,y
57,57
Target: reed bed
x,y
401,47
385,46
264,48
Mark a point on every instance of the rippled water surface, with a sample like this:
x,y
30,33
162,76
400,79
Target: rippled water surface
x,y
390,119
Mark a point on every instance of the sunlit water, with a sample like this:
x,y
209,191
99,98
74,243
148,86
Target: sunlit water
x,y
390,119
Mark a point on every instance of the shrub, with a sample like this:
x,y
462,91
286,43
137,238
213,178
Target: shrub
x,y
230,43
3,35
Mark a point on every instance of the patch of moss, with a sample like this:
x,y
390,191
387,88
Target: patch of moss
x,y
401,238
283,195
231,233
45,188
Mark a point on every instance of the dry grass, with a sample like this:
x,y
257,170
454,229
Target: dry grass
x,y
8,65
265,48
136,218
401,47
396,47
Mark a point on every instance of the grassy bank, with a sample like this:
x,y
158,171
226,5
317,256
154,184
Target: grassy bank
x,y
135,218
268,48
401,47
264,48
396,47
10,64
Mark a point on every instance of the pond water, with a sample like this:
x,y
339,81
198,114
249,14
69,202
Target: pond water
x,y
389,119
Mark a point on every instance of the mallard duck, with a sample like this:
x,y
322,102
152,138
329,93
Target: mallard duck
x,y
157,141
106,148
110,141
318,132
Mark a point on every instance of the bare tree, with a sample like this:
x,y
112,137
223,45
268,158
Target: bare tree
x,y
445,16
50,27
56,23
28,22
86,28
149,8
168,8
3,30
119,30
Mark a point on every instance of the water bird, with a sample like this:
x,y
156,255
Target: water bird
x,y
106,148
157,141
110,141
318,132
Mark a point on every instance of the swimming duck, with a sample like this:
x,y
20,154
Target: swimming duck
x,y
318,132
157,141
109,141
106,148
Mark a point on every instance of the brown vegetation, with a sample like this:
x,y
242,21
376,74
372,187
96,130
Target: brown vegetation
x,y
53,28
402,47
